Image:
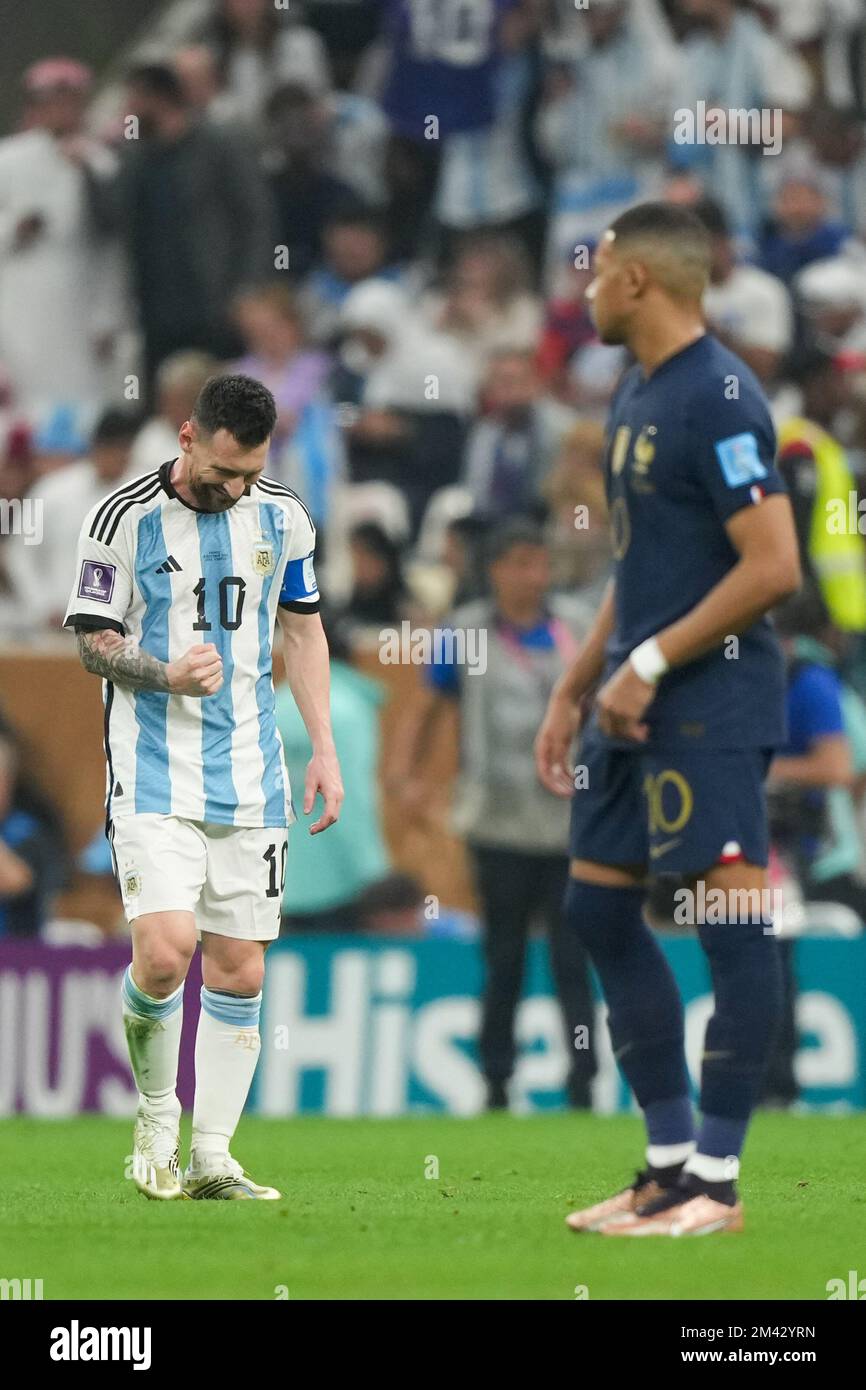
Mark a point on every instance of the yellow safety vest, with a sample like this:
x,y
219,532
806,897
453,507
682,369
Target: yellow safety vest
x,y
839,561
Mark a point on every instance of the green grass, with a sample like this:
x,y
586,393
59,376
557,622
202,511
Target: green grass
x,y
361,1221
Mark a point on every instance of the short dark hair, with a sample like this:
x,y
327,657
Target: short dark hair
x,y
516,530
160,79
239,404
675,242
658,219
115,426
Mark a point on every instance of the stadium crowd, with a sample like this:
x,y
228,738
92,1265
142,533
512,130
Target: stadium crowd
x,y
387,211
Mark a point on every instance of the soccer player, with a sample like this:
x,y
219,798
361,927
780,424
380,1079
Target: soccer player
x,y
690,706
180,578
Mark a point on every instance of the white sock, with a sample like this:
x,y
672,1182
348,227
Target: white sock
x,y
152,1029
711,1169
665,1155
226,1051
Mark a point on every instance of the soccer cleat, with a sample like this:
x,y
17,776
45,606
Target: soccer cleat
x,y
155,1170
683,1211
645,1188
224,1181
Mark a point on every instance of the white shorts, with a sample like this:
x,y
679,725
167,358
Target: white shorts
x,y
230,877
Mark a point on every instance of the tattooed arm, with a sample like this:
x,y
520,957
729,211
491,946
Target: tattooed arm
x,y
199,672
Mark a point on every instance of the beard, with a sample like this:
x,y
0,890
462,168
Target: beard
x,y
211,497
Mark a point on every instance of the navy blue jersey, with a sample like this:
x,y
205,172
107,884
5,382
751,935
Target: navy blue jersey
x,y
688,447
444,56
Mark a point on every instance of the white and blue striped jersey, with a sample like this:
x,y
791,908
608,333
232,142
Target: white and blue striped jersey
x,y
170,575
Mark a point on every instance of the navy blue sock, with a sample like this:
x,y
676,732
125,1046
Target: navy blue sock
x,y
645,1011
747,984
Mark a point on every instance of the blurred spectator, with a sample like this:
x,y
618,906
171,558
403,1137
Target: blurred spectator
x,y
59,438
821,484
305,193
179,378
313,462
42,574
731,61
329,873
61,295
489,178
394,907
398,906
578,534
811,789
355,250
515,830
197,67
813,816
832,298
414,389
488,303
568,325
195,214
749,309
32,855
440,81
271,323
257,47
836,143
16,476
463,557
511,448
357,137
800,230
577,367
606,116
379,595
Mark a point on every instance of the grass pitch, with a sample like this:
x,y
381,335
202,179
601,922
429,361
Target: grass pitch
x,y
365,1215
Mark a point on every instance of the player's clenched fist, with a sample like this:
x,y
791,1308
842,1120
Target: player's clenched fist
x,y
199,672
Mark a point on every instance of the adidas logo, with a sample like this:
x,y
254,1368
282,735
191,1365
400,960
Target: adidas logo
x,y
169,566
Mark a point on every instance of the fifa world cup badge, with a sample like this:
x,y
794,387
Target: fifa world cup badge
x,y
263,557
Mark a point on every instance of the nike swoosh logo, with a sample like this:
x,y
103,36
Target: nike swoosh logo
x,y
656,851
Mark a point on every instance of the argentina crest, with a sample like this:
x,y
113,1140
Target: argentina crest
x,y
263,557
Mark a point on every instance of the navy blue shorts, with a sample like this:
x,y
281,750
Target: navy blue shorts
x,y
677,811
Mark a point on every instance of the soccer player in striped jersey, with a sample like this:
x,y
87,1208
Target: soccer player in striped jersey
x,y
180,579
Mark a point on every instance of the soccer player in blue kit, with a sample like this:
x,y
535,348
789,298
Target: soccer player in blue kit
x,y
689,706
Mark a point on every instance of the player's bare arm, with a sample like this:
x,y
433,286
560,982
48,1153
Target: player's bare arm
x,y
305,648
564,712
121,660
768,569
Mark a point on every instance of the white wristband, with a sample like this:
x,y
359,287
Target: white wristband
x,y
648,661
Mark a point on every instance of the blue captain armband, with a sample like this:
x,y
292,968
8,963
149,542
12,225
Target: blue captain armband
x,y
299,581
